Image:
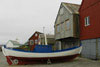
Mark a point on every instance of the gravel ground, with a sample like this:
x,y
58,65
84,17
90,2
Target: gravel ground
x,y
78,62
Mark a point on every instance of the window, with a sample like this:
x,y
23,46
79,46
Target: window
x,y
87,21
68,25
36,34
31,42
62,26
36,41
58,28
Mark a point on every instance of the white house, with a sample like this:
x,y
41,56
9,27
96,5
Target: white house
x,y
12,44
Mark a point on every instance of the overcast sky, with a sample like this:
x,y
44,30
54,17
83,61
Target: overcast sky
x,y
21,18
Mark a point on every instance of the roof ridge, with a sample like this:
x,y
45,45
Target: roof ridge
x,y
70,3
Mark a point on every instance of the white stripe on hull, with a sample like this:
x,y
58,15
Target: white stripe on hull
x,y
9,52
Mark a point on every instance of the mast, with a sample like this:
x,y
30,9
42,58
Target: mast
x,y
45,38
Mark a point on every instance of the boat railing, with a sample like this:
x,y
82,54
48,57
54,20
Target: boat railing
x,y
46,51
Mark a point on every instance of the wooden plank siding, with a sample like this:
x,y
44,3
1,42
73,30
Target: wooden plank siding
x,y
90,34
67,23
93,12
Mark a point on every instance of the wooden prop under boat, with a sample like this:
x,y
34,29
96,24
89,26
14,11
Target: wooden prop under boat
x,y
19,57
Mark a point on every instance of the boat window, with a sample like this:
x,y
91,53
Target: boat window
x,y
31,42
36,41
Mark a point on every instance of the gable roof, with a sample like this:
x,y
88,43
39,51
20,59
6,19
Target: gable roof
x,y
14,42
38,32
72,8
34,33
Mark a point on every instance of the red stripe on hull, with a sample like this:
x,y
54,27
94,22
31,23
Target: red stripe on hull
x,y
24,60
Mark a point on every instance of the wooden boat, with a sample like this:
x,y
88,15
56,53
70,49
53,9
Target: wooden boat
x,y
19,57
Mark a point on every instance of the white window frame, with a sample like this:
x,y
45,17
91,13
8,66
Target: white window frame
x,y
87,21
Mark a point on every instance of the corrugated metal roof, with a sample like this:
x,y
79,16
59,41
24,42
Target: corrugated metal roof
x,y
74,8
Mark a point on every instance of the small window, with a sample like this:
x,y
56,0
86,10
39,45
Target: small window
x,y
58,28
36,34
68,25
87,21
62,26
31,42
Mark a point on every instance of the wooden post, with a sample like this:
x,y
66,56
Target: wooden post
x,y
45,38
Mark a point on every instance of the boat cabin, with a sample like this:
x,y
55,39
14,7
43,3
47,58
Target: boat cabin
x,y
38,38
